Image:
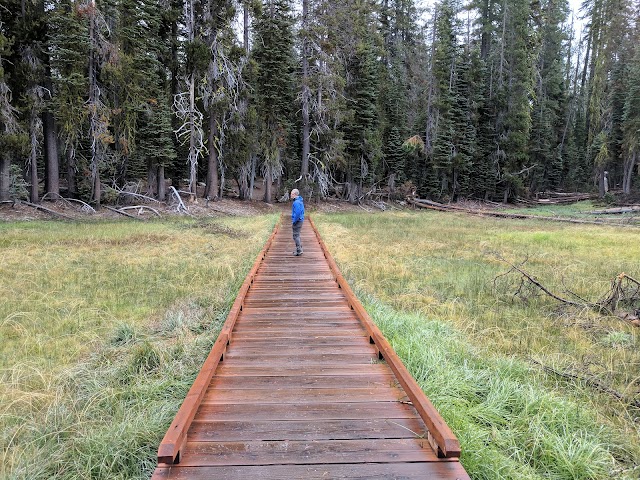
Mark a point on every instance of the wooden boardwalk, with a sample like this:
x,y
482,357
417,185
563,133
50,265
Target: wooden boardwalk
x,y
301,384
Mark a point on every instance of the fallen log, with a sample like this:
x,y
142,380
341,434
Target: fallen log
x,y
488,213
140,208
48,210
123,213
614,211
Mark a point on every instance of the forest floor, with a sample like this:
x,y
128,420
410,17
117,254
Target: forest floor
x,y
60,209
586,210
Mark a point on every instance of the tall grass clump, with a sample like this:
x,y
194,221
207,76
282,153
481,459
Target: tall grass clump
x,y
540,389
114,326
509,423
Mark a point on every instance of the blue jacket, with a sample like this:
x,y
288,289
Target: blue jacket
x,y
297,210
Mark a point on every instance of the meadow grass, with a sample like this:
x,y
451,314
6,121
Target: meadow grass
x,y
579,210
104,326
432,281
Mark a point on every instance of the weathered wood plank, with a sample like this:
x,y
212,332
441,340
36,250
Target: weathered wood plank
x,y
296,396
305,430
308,411
303,381
298,370
306,452
361,471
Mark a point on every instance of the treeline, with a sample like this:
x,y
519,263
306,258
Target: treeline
x,y
494,99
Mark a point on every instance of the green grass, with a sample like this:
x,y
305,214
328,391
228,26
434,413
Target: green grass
x,y
428,281
104,327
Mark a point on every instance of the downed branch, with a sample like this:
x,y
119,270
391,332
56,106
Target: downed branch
x,y
624,289
140,209
589,381
535,282
48,210
621,287
123,192
123,213
180,208
139,195
85,207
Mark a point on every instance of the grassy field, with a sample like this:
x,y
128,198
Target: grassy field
x,y
104,327
527,384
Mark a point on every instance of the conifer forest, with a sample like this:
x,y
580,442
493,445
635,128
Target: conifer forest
x,y
485,99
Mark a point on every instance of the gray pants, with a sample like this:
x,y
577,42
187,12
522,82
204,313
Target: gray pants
x,y
296,227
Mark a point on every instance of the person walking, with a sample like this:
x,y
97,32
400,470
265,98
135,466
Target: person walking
x,y
297,217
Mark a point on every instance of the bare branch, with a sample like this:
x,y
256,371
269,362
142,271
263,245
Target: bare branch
x,y
590,381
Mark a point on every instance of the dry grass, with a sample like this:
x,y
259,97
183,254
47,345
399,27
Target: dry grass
x,y
103,328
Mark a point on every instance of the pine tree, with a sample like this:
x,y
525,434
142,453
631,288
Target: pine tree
x,y
515,83
273,53
444,78
69,44
548,110
363,143
12,138
631,120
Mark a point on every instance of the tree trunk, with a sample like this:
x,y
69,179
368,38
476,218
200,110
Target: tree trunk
x,y
162,189
252,178
246,25
152,177
5,177
51,155
267,185
72,190
33,158
304,171
93,108
193,156
211,190
628,173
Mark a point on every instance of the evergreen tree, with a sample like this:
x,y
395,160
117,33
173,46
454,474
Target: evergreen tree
x,y
363,145
444,78
548,109
515,83
12,138
69,44
631,122
273,53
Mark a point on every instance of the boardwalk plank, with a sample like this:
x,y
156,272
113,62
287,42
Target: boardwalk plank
x,y
359,471
308,411
306,452
298,396
303,381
